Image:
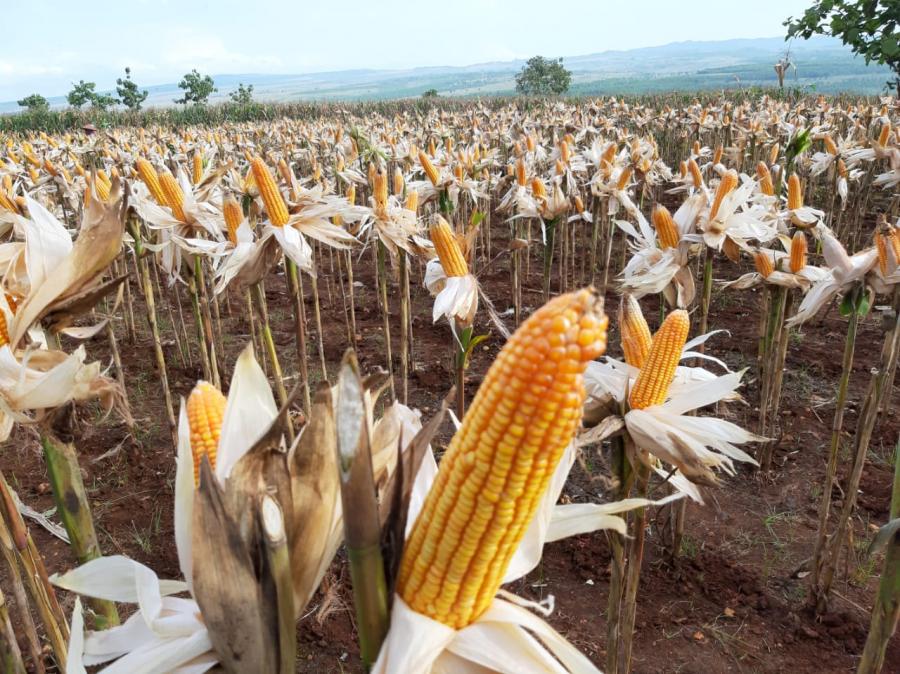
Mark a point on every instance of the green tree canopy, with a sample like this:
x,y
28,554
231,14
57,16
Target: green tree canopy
x,y
868,27
243,95
543,77
197,88
430,93
34,103
131,97
81,93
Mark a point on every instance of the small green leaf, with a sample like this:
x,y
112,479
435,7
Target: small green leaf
x,y
889,45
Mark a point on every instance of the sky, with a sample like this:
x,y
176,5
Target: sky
x,y
57,42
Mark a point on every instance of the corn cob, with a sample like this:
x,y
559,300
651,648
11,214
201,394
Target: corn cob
x,y
7,203
351,195
579,204
773,153
682,170
151,179
231,210
429,168
795,193
726,185
798,252
652,384
285,172
766,186
537,188
881,246
174,196
763,262
197,169
717,157
885,134
50,168
830,146
842,168
499,463
666,231
634,332
529,143
624,177
520,172
696,176
205,408
398,183
268,190
447,248
412,201
731,250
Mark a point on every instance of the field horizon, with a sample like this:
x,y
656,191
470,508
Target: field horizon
x,y
824,65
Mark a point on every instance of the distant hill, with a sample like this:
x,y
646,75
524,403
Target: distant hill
x,y
823,65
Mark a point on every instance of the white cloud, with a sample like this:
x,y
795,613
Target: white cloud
x,y
185,48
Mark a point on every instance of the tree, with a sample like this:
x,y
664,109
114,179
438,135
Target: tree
x,y
131,97
81,93
543,77
34,103
868,27
103,101
197,88
243,95
430,93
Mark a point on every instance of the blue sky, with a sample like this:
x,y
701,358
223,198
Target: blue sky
x,y
57,41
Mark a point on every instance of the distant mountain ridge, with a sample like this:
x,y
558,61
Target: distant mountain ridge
x,y
823,64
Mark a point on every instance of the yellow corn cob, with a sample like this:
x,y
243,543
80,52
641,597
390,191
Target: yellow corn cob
x,y
7,203
4,332
151,179
33,174
885,134
205,408
537,188
285,172
795,193
666,231
579,204
798,252
564,151
695,173
726,185
412,201
499,463
634,332
50,168
717,157
197,169
268,190
731,250
830,146
173,194
763,262
529,143
652,384
773,153
894,240
429,168
458,171
101,186
881,246
520,172
399,184
766,186
842,168
695,149
682,170
351,195
608,154
447,248
380,193
231,210
624,177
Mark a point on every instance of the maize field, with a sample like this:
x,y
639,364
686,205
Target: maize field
x,y
560,386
